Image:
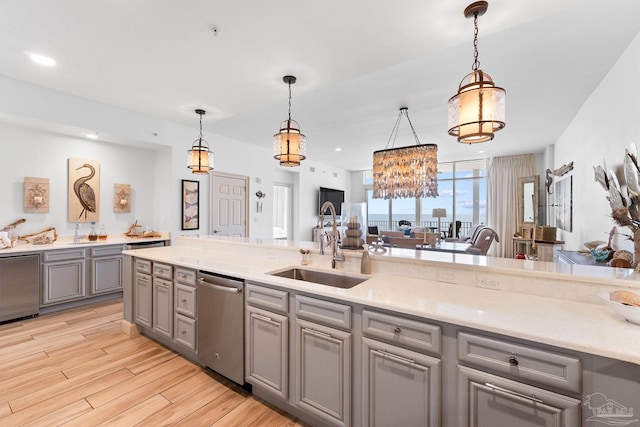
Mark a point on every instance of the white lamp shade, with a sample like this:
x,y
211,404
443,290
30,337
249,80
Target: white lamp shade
x,y
477,110
200,159
289,145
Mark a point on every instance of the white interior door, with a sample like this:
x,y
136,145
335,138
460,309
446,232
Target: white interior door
x,y
228,205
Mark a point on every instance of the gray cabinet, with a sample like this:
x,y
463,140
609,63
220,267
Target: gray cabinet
x,y
267,339
63,276
487,400
267,359
518,390
399,386
184,299
163,307
107,269
142,298
323,372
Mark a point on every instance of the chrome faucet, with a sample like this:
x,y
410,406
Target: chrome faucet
x,y
333,237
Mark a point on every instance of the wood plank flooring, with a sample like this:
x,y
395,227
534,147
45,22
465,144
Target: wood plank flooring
x,y
76,368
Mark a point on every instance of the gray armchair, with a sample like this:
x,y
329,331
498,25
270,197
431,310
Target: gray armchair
x,y
480,245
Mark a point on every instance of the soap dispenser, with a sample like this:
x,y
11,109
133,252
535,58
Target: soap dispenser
x,y
365,262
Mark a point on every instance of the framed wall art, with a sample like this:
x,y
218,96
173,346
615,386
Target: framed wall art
x,y
121,198
84,190
190,205
563,192
36,195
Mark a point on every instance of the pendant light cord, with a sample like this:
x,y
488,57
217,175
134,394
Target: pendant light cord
x,y
396,127
476,63
289,100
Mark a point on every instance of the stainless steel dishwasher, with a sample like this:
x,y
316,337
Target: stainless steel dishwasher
x,y
221,324
19,286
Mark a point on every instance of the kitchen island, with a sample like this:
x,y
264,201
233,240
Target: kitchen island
x,y
490,324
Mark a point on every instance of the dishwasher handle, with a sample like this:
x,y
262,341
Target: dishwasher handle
x,y
220,283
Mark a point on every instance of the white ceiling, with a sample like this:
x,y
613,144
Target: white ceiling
x,y
357,63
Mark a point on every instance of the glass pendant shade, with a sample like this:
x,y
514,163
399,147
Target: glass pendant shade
x,y
406,172
289,145
477,111
200,158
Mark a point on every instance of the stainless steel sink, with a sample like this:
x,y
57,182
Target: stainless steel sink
x,y
335,279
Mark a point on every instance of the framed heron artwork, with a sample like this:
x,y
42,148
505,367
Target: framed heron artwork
x,y
84,190
190,205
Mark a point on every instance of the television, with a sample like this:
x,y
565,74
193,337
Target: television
x,y
330,195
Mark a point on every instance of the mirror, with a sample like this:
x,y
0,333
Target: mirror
x,y
528,200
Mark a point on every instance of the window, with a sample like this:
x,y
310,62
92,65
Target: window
x,y
462,188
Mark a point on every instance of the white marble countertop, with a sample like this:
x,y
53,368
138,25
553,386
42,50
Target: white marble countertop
x,y
66,242
587,327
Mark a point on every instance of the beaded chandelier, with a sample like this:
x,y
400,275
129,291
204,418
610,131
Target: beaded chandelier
x,y
406,171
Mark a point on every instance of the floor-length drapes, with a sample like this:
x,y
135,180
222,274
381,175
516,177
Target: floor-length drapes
x,y
502,194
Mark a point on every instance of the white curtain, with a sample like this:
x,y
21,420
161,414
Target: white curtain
x,y
502,192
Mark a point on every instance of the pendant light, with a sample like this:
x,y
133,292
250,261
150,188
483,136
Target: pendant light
x,y
406,171
199,158
289,144
477,110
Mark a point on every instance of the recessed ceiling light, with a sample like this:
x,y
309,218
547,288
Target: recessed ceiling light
x,y
338,149
41,59
480,151
92,135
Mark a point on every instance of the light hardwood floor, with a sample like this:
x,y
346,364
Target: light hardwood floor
x,y
76,368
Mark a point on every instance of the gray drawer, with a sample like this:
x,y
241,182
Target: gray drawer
x,y
326,312
185,276
184,299
416,335
63,255
522,361
143,266
164,271
107,250
270,299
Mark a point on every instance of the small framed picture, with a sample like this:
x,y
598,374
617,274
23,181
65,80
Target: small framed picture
x,y
190,205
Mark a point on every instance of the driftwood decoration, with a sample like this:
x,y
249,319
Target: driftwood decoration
x,y
561,171
13,225
36,195
46,236
84,190
136,231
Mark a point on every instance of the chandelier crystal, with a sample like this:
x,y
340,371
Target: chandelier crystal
x,y
477,111
406,171
199,157
289,144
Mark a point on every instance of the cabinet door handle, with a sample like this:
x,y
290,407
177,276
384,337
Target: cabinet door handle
x,y
264,318
533,397
386,354
397,330
513,360
318,333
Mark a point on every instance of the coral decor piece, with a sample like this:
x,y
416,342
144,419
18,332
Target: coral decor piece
x,y
625,208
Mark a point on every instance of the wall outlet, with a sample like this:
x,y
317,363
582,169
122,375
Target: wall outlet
x,y
487,282
446,276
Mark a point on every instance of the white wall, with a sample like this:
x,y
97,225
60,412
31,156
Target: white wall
x,y
134,149
35,153
603,128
